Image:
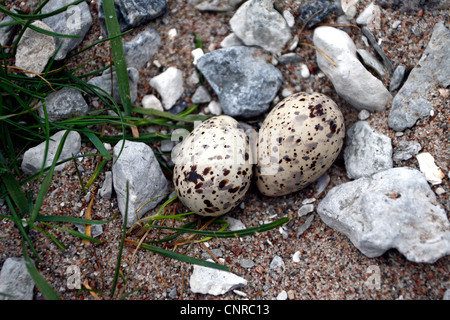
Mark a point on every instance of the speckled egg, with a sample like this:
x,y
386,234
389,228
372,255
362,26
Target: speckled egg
x,y
212,169
298,141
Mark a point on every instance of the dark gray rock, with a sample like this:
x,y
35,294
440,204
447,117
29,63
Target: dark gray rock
x,y
412,6
406,150
142,48
432,70
320,9
244,82
134,13
16,282
76,20
64,104
7,33
394,208
397,78
380,52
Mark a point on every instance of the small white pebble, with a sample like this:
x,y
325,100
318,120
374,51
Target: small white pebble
x,y
440,191
282,295
150,101
290,20
305,209
215,108
197,53
363,115
172,33
304,71
296,256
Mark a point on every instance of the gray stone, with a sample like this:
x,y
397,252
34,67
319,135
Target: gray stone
x,y
246,263
370,61
397,78
106,190
141,48
35,49
201,95
231,40
215,5
96,229
34,157
257,23
371,17
213,281
243,81
289,58
314,12
366,152
75,21
380,52
432,70
64,104
15,280
406,150
394,208
350,79
7,33
134,13
170,86
305,226
104,83
138,165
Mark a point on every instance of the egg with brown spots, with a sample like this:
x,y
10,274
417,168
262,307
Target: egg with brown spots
x,y
298,141
212,169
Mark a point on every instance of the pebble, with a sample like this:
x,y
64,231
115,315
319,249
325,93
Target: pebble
x,y
64,104
196,54
370,17
350,79
7,32
107,186
35,49
150,101
231,40
246,263
380,52
244,82
16,282
134,13
141,48
305,209
394,208
305,226
257,23
201,95
289,58
289,17
432,71
366,152
363,115
304,71
431,171
215,5
282,295
213,281
215,108
33,158
314,12
169,85
370,61
349,8
104,83
147,183
398,78
405,150
76,21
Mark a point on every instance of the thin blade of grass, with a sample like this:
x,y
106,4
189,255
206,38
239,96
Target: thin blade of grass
x,y
122,241
16,193
113,27
179,256
230,234
44,287
73,232
170,116
73,220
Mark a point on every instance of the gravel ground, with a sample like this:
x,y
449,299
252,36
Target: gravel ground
x,y
328,265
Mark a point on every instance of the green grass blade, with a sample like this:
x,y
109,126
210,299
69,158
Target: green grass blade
x,y
48,178
73,220
73,232
230,234
122,241
181,257
113,27
16,193
44,287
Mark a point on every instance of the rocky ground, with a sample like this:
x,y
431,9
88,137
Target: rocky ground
x,y
306,259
